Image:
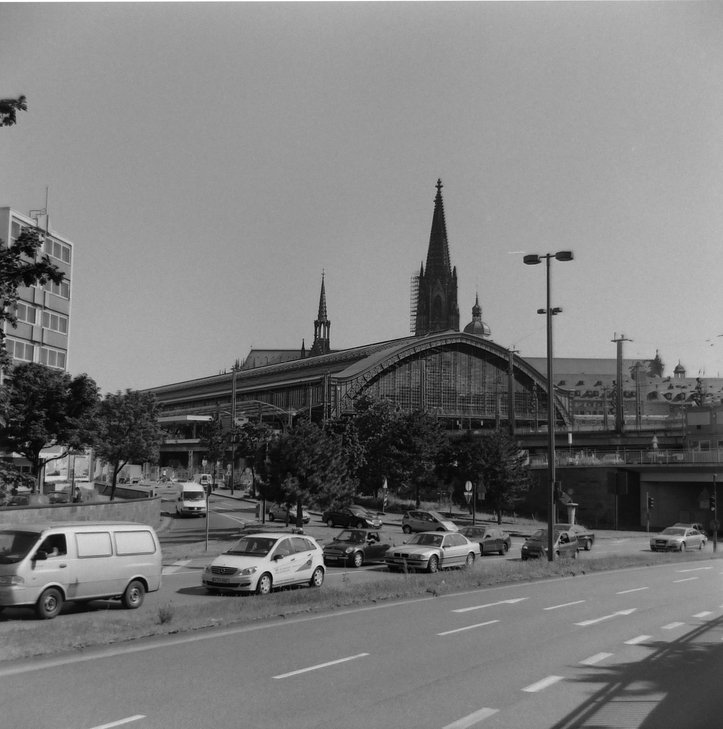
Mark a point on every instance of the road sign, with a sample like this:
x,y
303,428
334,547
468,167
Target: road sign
x,y
468,486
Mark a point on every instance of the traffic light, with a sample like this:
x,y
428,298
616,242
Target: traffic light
x,y
651,503
712,502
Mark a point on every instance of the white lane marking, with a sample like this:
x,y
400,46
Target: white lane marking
x,y
534,687
491,604
635,589
606,617
687,579
671,626
120,722
175,567
695,569
704,614
595,659
468,627
470,719
639,639
320,665
567,604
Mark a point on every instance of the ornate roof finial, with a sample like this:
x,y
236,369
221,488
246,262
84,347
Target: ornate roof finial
x,y
439,186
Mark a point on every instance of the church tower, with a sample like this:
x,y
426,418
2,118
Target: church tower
x,y
322,326
437,309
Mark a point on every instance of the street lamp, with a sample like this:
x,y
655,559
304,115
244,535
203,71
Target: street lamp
x,y
532,260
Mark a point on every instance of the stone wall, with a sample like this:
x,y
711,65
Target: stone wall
x,y
141,511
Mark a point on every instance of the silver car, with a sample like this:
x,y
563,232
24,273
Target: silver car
x,y
426,521
677,539
432,551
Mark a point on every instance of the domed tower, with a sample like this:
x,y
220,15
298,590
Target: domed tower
x,y
477,326
679,371
437,309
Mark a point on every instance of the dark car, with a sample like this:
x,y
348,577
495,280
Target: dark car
x,y
490,539
352,516
564,544
585,537
356,546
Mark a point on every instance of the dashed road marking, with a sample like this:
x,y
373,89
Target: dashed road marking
x,y
585,623
491,604
320,665
686,579
704,614
672,626
540,685
471,719
175,567
468,627
595,659
638,639
695,569
567,604
120,722
635,589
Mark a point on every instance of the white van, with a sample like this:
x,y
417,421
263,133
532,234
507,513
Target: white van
x,y
43,565
191,499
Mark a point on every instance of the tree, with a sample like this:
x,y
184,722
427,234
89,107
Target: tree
x,y
9,109
42,407
216,439
308,464
127,430
251,438
493,459
20,265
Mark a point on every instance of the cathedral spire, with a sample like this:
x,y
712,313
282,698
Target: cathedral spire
x,y
322,326
437,309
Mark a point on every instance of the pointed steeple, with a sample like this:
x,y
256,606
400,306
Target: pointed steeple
x,y
322,326
437,309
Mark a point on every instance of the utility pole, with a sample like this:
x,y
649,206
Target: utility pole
x,y
511,391
715,514
619,413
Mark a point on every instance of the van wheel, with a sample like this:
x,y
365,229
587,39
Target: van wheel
x,y
49,604
134,595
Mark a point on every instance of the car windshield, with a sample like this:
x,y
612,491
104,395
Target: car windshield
x,y
541,534
428,540
350,535
15,545
257,546
436,515
674,531
193,496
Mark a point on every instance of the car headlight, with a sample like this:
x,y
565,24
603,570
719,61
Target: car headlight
x,y
248,571
11,580
207,569
348,550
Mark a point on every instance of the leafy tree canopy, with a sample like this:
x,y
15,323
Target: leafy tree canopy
x,y
9,109
127,430
42,407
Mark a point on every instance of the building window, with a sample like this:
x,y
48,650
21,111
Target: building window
x,y
57,250
20,350
62,289
26,313
55,322
52,358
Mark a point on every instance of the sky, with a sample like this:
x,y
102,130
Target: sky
x,y
210,160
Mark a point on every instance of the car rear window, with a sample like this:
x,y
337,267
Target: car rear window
x,y
134,542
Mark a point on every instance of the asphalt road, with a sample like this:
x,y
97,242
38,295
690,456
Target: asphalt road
x,y
639,648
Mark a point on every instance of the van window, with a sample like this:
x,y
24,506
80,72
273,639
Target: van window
x,y
93,544
135,542
54,546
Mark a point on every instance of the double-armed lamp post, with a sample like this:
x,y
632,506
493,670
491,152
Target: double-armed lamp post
x,y
532,260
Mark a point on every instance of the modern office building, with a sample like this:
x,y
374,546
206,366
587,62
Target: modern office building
x,y
43,312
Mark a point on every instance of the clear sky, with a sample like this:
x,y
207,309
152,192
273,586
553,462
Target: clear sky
x,y
209,161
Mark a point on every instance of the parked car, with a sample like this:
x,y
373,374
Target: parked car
x,y
261,562
355,547
564,544
432,551
585,537
281,512
426,521
677,539
490,539
615,458
352,516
